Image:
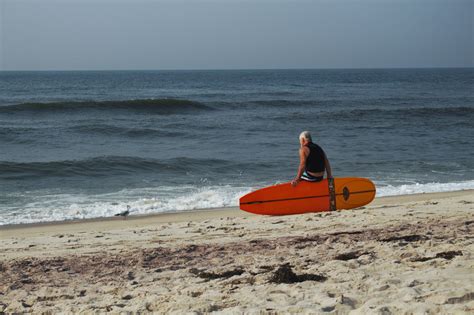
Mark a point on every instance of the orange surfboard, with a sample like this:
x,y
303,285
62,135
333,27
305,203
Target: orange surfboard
x,y
326,195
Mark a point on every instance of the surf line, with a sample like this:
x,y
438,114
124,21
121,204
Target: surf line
x,y
307,197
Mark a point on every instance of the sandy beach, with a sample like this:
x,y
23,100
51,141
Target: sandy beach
x,y
408,254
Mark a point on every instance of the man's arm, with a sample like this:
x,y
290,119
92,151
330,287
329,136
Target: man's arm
x,y
328,166
301,168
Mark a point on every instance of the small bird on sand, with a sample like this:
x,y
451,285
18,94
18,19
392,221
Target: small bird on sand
x,y
125,213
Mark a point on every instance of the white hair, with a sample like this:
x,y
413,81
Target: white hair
x,y
306,135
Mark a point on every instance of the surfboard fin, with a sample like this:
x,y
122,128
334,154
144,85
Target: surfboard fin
x,y
332,195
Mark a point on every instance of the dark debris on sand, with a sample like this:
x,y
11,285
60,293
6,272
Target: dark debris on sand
x,y
211,275
406,238
462,299
351,255
284,274
446,255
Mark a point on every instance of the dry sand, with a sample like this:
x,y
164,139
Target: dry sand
x,y
399,255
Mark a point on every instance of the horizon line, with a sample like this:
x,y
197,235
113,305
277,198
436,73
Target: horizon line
x,y
242,69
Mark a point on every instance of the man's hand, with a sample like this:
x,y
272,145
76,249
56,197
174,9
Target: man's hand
x,y
295,182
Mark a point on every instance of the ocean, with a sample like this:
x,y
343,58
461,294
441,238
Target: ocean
x,y
85,144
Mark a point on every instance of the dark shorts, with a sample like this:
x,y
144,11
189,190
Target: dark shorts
x,y
310,178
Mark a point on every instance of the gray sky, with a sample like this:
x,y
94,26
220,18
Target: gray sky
x,y
231,34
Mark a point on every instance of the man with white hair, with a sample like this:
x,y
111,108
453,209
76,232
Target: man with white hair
x,y
313,161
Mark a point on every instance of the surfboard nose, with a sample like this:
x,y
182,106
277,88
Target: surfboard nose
x,y
353,192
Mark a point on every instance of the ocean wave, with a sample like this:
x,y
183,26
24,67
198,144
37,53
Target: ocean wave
x,y
269,104
419,188
159,106
385,116
416,111
109,130
351,108
16,135
115,165
141,201
25,135
286,103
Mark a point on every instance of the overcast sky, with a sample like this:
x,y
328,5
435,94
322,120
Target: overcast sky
x,y
231,34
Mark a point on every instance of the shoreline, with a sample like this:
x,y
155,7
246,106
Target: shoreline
x,y
203,214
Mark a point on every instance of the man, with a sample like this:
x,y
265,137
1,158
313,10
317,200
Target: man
x,y
313,161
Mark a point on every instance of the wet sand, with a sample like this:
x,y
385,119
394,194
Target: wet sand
x,y
402,254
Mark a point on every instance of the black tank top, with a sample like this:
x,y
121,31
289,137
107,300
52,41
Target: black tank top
x,y
315,160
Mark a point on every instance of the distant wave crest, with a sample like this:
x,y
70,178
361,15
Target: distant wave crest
x,y
114,165
160,106
418,111
102,129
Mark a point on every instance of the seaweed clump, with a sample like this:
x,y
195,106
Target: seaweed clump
x,y
284,274
212,275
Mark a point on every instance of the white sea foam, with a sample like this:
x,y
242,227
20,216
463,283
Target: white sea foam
x,y
417,188
165,199
158,200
